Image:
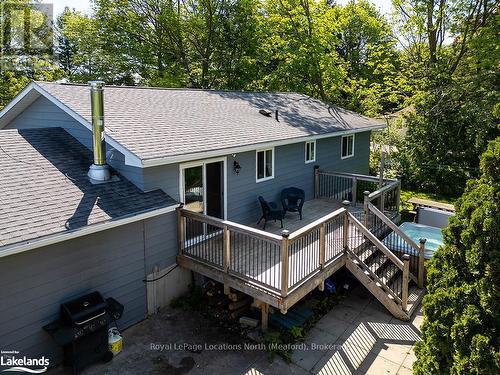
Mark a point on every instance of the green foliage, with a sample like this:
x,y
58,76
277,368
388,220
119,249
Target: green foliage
x,y
455,92
462,322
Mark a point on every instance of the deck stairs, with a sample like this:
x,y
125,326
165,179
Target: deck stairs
x,y
384,280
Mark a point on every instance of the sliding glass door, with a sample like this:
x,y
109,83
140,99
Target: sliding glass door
x,y
203,187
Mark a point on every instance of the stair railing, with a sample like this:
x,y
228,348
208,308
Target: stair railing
x,y
399,291
399,243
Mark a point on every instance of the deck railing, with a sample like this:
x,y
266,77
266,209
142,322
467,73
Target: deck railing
x,y
384,193
314,246
399,243
363,245
239,250
280,264
276,263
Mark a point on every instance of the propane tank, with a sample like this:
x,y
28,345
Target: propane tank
x,y
115,341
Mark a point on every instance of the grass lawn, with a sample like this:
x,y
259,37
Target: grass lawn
x,y
407,194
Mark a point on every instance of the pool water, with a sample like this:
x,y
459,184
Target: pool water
x,y
433,235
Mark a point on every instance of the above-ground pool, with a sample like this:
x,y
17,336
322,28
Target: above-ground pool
x,y
415,231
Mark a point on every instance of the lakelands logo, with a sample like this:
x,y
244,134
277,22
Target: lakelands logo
x,y
22,364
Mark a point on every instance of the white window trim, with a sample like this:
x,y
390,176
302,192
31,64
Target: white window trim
x,y
257,164
342,143
305,152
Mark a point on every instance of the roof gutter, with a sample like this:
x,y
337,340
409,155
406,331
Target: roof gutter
x,y
234,150
65,236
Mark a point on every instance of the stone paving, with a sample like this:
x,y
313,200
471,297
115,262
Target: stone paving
x,y
358,336
366,339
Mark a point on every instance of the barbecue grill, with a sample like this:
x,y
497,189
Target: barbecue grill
x,y
82,329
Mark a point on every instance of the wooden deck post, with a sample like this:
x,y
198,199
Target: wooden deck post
x,y
421,260
354,191
181,229
404,281
226,256
316,181
366,193
227,248
264,311
345,236
284,262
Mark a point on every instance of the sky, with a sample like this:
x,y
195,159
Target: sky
x,y
84,5
81,5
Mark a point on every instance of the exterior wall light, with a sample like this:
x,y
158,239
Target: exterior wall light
x,y
236,167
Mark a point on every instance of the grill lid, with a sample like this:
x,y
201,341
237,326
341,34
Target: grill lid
x,y
84,308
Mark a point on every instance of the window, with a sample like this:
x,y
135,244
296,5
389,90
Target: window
x,y
310,151
265,164
347,146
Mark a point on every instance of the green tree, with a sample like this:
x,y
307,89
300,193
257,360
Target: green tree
x,y
462,323
368,48
65,49
20,59
195,43
344,54
455,91
84,51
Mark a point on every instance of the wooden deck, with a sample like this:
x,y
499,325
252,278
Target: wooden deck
x,y
256,257
313,210
279,266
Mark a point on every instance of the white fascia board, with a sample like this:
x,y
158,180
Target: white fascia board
x,y
235,150
10,107
65,236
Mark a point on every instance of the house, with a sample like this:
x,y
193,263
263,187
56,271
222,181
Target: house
x,y
174,179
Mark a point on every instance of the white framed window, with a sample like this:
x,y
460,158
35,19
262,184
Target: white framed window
x,y
310,152
264,164
347,146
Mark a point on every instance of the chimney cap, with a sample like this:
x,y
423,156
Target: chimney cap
x,y
96,85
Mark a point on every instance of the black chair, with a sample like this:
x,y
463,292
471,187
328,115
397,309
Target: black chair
x,y
270,211
292,200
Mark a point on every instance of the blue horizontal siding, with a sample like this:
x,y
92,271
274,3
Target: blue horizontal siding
x,y
115,262
290,169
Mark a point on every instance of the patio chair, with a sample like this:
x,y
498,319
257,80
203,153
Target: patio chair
x,y
292,200
270,211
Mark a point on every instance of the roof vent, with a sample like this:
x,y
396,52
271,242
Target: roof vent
x,y
99,171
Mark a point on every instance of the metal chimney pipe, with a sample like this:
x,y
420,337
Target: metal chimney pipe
x,y
99,171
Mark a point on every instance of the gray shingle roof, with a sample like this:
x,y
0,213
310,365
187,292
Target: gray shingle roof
x,y
44,187
157,123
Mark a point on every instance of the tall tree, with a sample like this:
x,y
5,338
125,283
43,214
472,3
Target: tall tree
x,y
85,53
197,43
298,48
456,88
462,306
65,49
